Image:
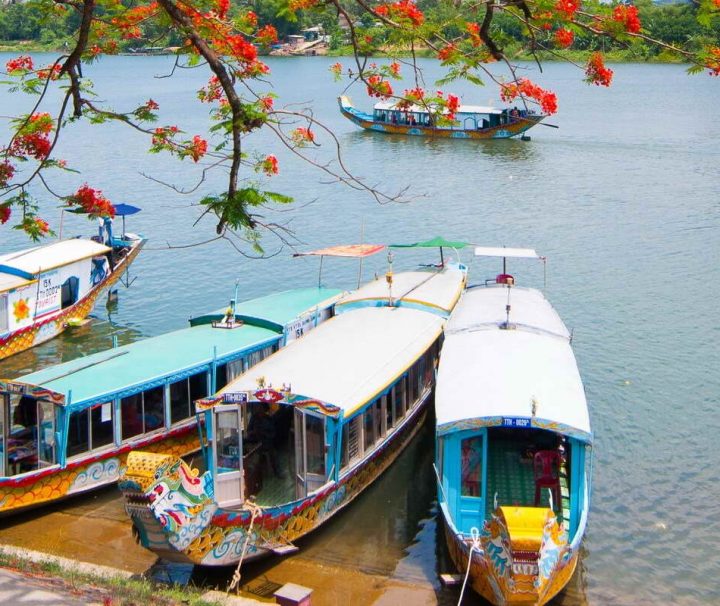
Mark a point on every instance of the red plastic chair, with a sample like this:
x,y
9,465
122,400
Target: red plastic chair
x,y
504,279
546,469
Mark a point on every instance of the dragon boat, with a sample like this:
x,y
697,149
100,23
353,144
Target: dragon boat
x,y
471,121
68,428
513,437
294,440
45,289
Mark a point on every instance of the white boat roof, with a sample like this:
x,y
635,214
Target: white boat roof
x,y
43,258
9,281
484,307
498,251
463,109
488,374
439,289
349,359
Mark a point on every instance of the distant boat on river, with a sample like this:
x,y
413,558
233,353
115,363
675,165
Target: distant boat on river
x,y
513,442
471,121
46,288
295,439
68,428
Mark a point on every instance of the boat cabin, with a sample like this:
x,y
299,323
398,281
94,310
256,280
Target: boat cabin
x,y
513,429
315,412
468,117
105,404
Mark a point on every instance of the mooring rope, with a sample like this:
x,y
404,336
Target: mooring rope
x,y
475,537
256,510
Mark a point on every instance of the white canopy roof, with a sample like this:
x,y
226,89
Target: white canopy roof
x,y
488,374
42,258
463,109
440,289
497,251
484,307
348,359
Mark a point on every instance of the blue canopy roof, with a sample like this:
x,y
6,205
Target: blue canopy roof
x,y
123,370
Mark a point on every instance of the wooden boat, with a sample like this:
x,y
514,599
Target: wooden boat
x,y
471,121
341,403
513,442
68,428
46,288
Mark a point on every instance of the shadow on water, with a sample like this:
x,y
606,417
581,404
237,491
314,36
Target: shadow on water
x,y
389,145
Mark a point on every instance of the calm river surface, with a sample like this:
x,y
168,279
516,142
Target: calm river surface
x,y
623,198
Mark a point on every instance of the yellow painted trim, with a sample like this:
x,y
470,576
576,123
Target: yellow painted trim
x,y
16,286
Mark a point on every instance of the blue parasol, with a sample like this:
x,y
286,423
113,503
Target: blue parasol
x,y
123,210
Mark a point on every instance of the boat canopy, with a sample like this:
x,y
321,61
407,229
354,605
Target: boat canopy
x,y
11,281
429,287
345,250
485,308
525,376
30,262
277,310
501,251
463,109
115,372
349,359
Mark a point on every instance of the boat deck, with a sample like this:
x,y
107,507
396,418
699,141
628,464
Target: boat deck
x,y
510,475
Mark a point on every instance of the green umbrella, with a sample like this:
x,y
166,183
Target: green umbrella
x,y
436,242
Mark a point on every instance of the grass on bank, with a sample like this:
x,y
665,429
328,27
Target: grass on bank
x,y
115,591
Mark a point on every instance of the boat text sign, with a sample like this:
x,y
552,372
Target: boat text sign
x,y
516,422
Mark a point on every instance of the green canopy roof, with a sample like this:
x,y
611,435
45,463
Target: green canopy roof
x,y
437,241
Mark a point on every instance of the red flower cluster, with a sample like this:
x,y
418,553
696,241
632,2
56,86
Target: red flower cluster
x,y
223,6
151,105
270,165
36,144
163,133
713,61
447,52
51,72
474,30
377,87
267,35
564,38
394,68
596,72
7,171
5,212
526,88
336,69
212,92
22,63
628,16
296,5
568,8
267,103
404,10
302,135
92,202
42,226
198,148
251,18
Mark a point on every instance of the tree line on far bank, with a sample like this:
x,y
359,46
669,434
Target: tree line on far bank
x,y
22,25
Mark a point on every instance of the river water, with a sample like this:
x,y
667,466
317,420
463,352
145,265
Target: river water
x,y
623,198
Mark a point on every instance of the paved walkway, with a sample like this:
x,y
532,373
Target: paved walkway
x,y
20,590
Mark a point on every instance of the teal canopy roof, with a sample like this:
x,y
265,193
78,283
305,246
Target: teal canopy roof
x,y
437,241
123,370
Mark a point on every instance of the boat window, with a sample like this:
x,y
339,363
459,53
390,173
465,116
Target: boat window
x,y
382,414
351,441
387,406
228,441
90,428
471,466
31,439
369,427
142,412
399,399
183,393
315,436
69,292
379,419
226,373
3,313
259,355
101,425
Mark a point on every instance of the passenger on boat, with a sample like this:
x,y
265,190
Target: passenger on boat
x,y
262,429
